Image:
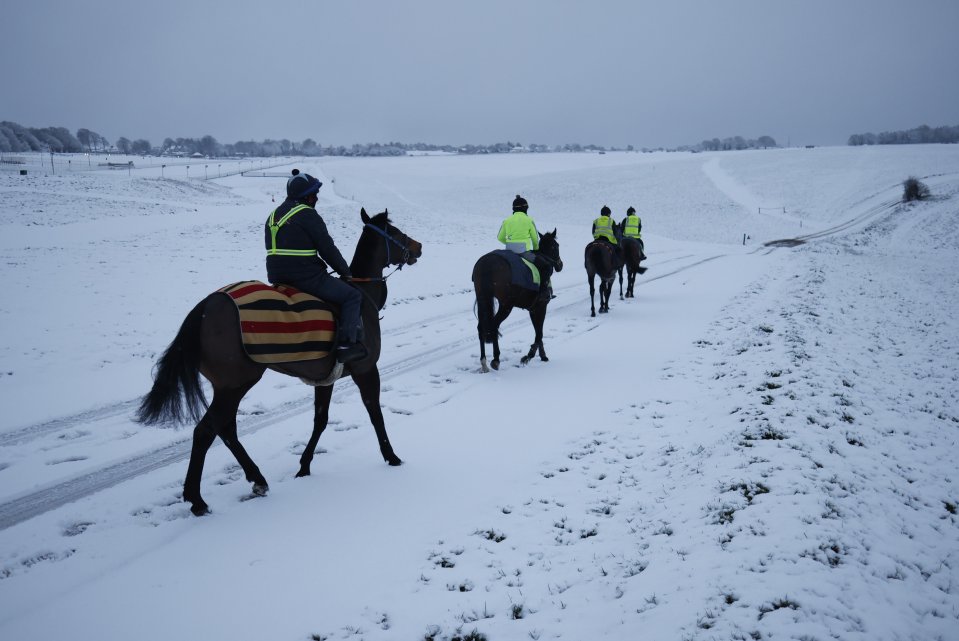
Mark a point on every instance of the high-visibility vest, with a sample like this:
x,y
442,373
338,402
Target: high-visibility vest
x,y
519,228
603,226
633,227
275,227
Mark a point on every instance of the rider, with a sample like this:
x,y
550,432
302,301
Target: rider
x,y
518,233
632,227
297,244
603,229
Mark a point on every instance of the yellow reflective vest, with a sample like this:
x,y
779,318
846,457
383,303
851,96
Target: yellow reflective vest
x,y
519,228
274,226
603,226
632,227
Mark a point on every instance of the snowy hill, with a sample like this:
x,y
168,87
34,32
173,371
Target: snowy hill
x,y
760,445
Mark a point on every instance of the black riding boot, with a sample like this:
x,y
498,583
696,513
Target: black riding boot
x,y
349,349
545,290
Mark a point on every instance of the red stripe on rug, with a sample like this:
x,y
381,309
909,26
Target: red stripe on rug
x,y
249,289
260,327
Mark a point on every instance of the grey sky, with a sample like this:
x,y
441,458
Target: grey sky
x,y
445,71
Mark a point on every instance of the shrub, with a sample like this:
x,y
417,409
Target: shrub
x,y
914,189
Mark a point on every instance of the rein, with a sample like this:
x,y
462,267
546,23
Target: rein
x,y
390,239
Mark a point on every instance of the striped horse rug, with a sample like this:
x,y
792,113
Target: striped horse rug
x,y
281,324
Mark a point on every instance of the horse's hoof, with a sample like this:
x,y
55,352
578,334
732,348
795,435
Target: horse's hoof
x,y
544,358
524,360
260,489
484,366
304,471
494,365
592,315
394,460
200,509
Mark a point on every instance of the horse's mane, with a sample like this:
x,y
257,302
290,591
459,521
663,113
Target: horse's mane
x,y
381,219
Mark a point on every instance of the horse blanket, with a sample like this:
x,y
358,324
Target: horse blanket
x,y
281,324
522,272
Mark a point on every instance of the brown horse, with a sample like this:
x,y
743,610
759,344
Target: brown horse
x,y
492,281
209,343
601,260
632,256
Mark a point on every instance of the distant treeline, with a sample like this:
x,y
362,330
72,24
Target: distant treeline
x,y
919,135
17,138
729,144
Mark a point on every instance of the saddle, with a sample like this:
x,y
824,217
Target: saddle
x,y
522,272
281,324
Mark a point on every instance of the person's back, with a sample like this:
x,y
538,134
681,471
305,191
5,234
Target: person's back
x,y
603,226
518,232
297,244
632,227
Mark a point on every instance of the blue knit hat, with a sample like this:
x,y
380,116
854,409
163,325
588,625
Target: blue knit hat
x,y
301,185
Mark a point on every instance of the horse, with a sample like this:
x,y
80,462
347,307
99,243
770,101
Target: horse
x,y
601,260
632,255
492,280
209,343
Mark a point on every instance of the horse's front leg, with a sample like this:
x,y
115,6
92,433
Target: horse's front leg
x,y
620,270
321,416
369,384
538,316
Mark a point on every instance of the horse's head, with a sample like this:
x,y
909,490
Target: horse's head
x,y
549,249
399,249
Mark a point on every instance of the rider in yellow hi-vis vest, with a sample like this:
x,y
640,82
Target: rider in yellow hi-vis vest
x,y
298,250
604,229
632,227
518,232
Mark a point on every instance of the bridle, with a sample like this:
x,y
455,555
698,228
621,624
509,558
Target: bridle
x,y
404,247
552,261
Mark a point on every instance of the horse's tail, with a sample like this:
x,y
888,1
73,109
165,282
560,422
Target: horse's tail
x,y
484,304
176,381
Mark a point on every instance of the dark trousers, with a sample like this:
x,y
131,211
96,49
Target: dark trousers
x,y
336,291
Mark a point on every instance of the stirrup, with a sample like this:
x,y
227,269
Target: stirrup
x,y
349,352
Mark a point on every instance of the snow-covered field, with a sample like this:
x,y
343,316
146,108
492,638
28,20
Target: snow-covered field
x,y
761,445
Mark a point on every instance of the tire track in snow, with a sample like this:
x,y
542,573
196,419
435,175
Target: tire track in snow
x,y
60,493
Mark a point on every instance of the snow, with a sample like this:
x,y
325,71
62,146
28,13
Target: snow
x,y
761,444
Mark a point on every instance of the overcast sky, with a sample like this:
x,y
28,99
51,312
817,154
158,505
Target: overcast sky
x,y
612,73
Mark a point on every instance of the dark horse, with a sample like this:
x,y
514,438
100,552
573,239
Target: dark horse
x,y
601,260
632,256
492,280
209,343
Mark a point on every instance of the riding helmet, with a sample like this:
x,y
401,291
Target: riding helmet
x,y
631,210
520,204
301,185
605,211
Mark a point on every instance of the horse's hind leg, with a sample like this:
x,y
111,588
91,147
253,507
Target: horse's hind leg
x,y
369,384
203,437
592,294
321,416
219,420
227,431
498,319
483,364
